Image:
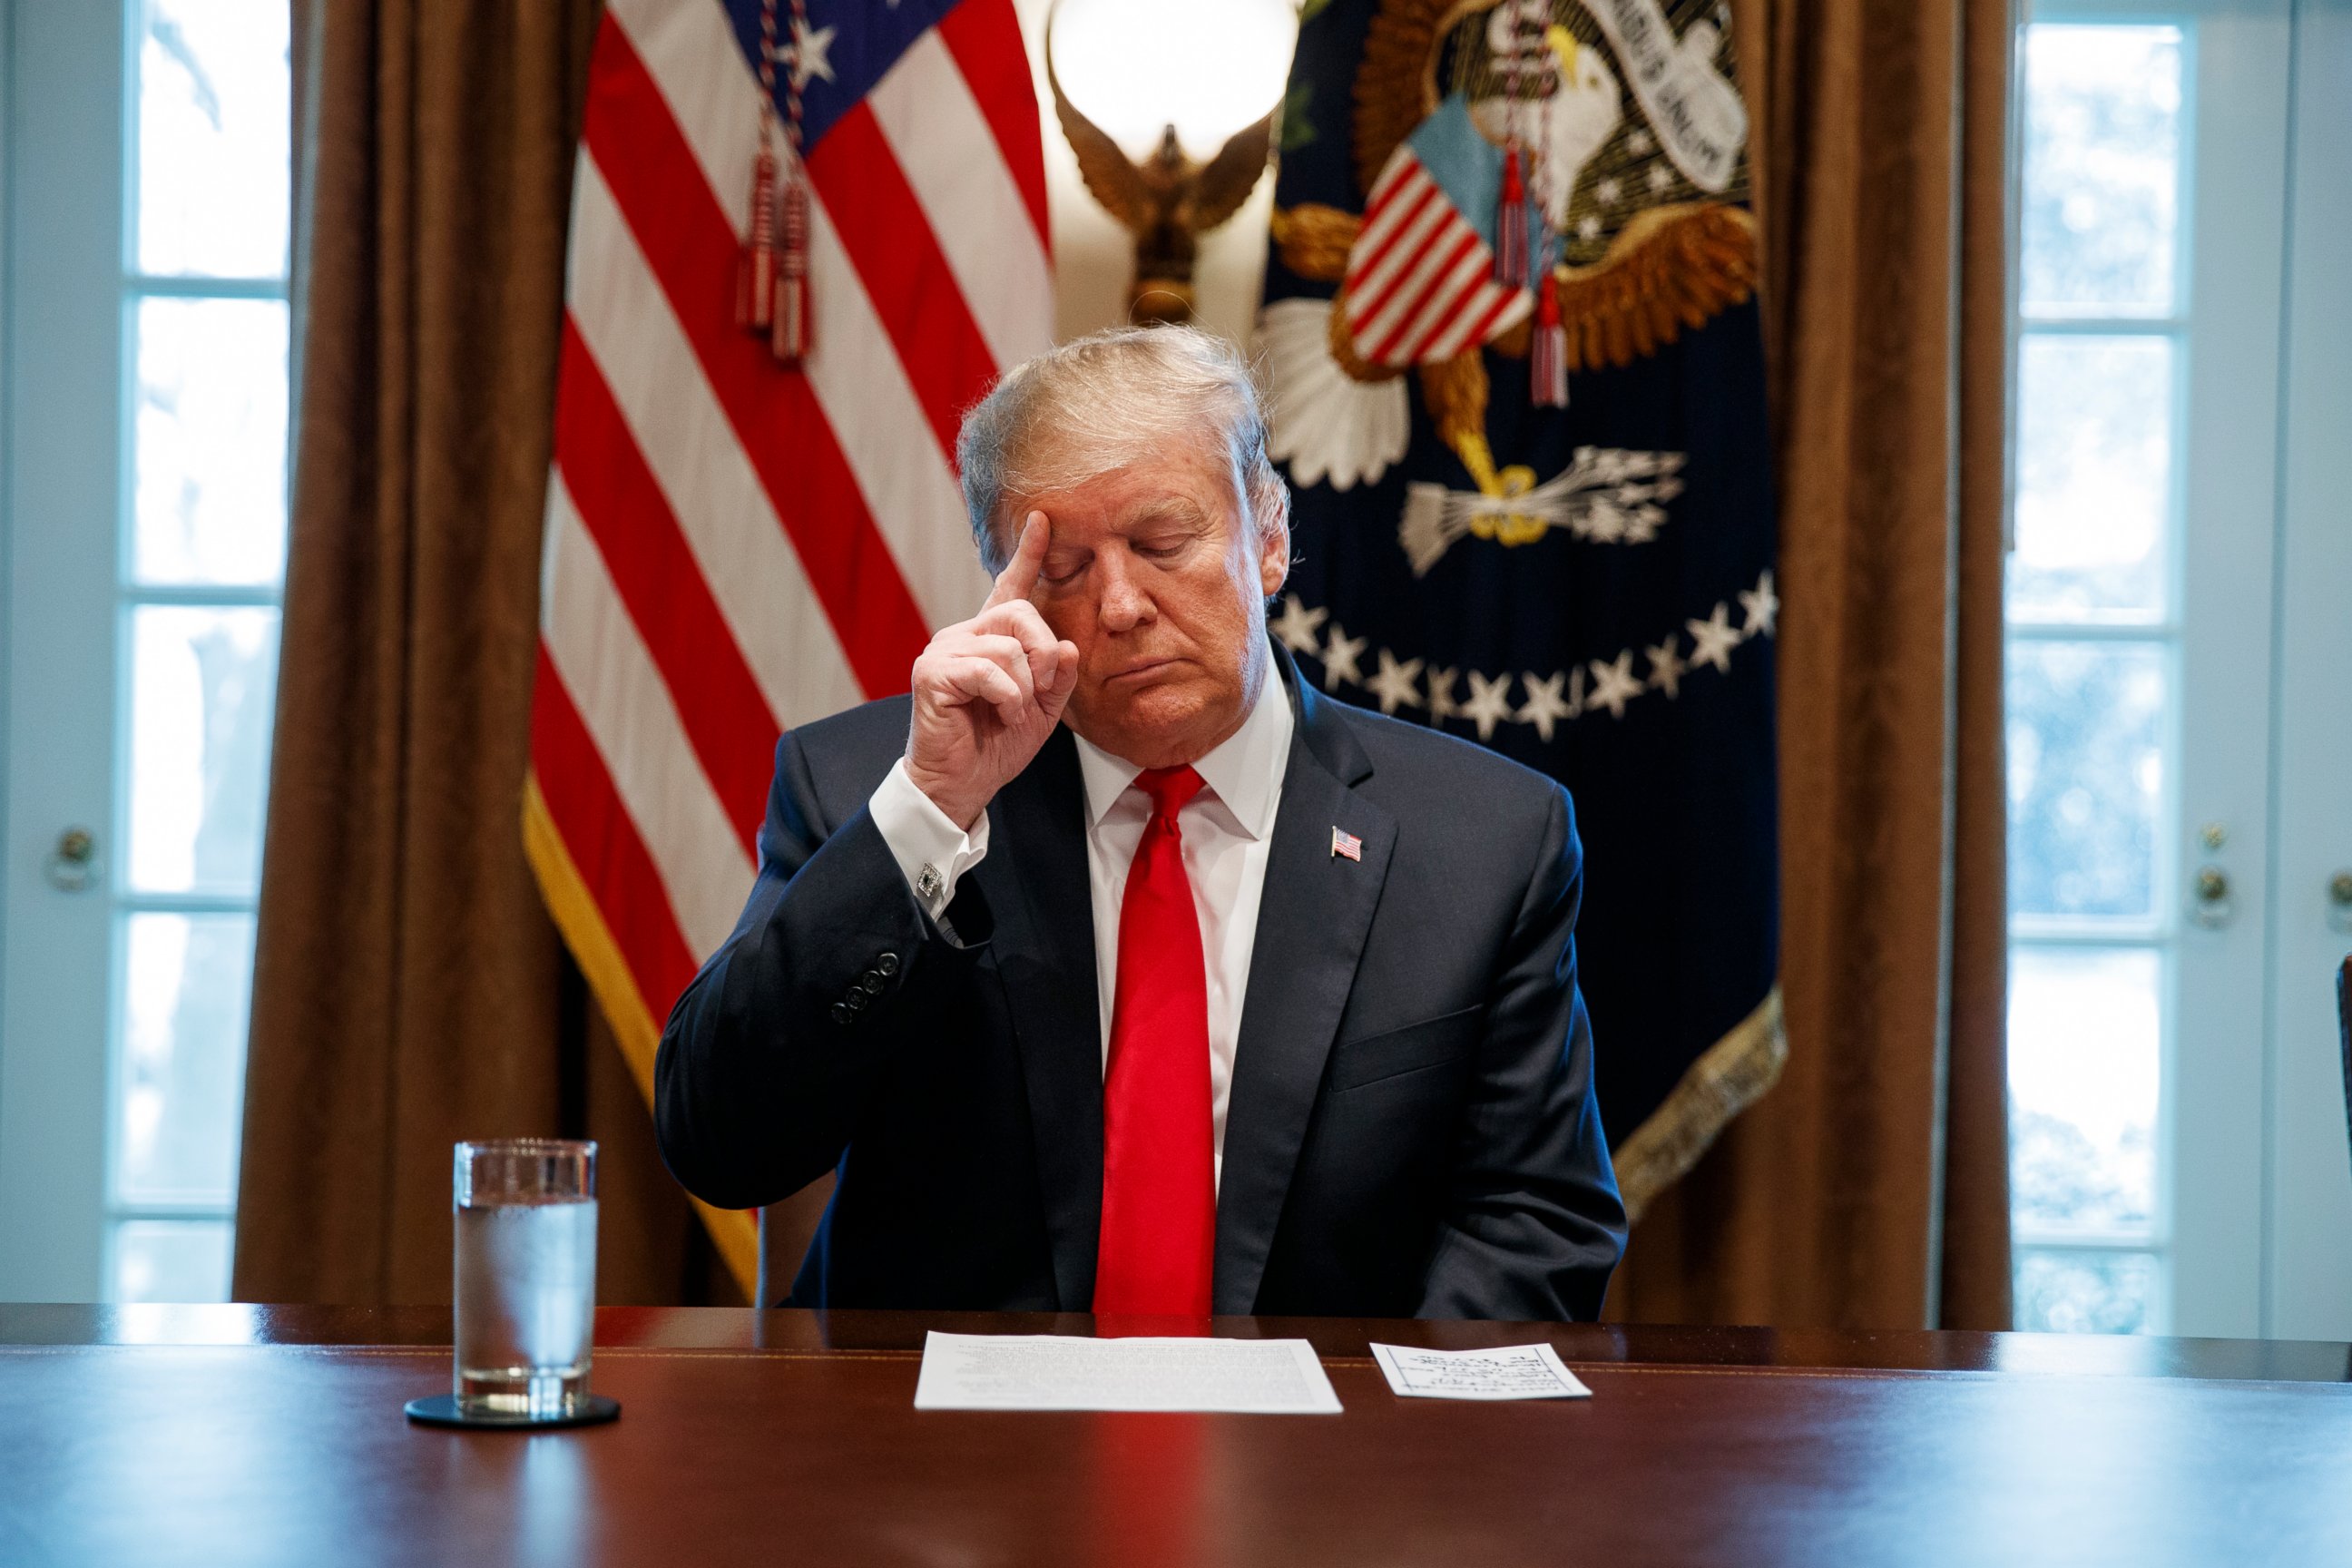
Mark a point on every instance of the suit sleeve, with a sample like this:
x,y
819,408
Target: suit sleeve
x,y
774,1049
1534,1225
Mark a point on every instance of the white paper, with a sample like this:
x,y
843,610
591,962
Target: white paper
x,y
1055,1372
1506,1372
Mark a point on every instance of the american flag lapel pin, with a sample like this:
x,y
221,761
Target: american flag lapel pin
x,y
1347,843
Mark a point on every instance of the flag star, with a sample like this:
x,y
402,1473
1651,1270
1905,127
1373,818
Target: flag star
x,y
1615,684
1489,704
1713,639
1641,144
1544,705
1588,228
1441,694
1297,625
1396,685
1666,667
1763,607
807,53
1340,652
1660,177
1607,191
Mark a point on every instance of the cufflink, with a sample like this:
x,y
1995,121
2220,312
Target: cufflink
x,y
928,883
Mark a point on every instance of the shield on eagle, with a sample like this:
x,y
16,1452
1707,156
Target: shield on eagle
x,y
1515,378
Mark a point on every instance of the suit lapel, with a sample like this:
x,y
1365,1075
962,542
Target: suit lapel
x,y
1045,952
1312,917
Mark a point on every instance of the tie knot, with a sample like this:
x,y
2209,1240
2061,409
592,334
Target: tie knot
x,y
1170,789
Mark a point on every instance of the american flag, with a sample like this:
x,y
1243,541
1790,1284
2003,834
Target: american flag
x,y
1421,277
735,545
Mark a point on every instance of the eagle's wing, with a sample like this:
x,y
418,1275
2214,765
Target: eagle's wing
x,y
1108,173
1225,181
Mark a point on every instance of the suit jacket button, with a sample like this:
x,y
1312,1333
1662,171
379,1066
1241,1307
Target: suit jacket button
x,y
841,1012
888,964
872,984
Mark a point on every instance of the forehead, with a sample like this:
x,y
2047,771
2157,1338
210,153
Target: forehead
x,y
1187,481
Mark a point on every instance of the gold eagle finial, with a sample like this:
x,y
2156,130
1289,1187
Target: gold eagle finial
x,y
1167,201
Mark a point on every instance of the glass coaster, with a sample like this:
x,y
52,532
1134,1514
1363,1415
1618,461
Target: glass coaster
x,y
441,1410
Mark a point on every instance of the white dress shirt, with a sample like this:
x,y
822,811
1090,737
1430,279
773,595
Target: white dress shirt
x,y
1227,830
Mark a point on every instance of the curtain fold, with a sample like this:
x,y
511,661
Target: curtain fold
x,y
1870,1188
408,989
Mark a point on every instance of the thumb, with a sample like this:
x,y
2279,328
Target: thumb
x,y
1054,691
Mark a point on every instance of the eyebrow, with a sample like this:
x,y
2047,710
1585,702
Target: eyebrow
x,y
1167,509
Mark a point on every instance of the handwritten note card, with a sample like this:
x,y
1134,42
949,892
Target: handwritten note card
x,y
1508,1372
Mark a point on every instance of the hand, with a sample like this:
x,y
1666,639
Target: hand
x,y
988,690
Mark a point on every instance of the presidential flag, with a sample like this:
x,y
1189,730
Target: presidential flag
x,y
805,236
1515,380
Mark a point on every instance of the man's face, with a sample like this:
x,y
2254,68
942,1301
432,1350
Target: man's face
x,y
1159,576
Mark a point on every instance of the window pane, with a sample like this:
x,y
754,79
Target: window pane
x,y
185,981
2102,176
214,133
2085,1292
2085,776
211,458
2085,1062
171,1260
201,695
2093,477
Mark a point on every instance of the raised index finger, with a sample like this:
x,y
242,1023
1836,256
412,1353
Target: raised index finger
x,y
1019,578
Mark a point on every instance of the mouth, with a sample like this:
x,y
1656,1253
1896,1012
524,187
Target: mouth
x,y
1142,671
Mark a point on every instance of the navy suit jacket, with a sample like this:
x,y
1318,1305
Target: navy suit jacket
x,y
1412,1130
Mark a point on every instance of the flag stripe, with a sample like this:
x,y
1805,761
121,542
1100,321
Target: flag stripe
x,y
985,40
689,245
1399,203
603,842
771,611
1424,217
1465,285
726,720
907,481
944,144
705,868
881,226
1500,308
1454,257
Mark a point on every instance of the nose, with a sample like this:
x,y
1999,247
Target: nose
x,y
1123,605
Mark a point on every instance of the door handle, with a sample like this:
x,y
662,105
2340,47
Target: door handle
x,y
73,864
2213,905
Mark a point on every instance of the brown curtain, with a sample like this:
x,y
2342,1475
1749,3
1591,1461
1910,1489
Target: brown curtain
x,y
1870,1188
408,989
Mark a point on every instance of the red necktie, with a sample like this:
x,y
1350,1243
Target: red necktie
x,y
1159,1192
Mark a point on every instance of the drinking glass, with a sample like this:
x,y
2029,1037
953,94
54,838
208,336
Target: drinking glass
x,y
526,1264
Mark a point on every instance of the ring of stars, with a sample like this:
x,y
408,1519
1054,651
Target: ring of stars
x,y
1545,702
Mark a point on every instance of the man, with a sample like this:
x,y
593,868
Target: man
x,y
1113,969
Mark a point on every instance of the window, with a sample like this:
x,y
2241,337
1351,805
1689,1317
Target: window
x,y
202,552
2093,667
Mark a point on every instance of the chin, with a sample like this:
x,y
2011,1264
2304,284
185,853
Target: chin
x,y
1145,726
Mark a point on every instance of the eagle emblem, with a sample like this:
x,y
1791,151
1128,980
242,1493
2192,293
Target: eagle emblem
x,y
1557,182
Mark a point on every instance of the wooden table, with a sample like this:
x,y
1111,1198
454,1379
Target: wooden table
x,y
243,1435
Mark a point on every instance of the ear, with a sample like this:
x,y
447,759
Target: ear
x,y
1273,547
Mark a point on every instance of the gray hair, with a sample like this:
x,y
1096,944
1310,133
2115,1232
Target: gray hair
x,y
1084,409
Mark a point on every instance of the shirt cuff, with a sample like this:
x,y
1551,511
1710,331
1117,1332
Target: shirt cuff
x,y
932,852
